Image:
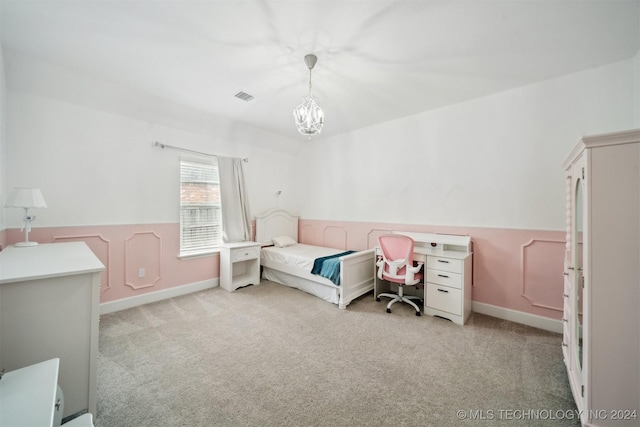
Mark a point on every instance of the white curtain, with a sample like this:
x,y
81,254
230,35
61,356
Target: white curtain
x,y
236,225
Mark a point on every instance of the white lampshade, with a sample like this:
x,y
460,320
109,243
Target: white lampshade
x,y
23,197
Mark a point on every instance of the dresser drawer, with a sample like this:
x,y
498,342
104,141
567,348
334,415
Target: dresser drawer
x,y
445,278
445,264
241,254
444,299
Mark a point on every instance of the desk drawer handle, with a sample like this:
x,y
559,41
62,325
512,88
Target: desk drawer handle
x,y
443,290
443,275
443,260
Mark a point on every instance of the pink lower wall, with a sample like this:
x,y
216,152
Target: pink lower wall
x,y
514,269
124,249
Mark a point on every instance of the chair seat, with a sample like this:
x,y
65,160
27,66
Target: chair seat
x,y
417,276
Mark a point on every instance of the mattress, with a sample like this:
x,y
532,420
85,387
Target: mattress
x,y
300,255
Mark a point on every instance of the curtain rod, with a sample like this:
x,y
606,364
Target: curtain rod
x,y
161,145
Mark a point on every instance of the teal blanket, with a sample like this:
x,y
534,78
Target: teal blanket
x,y
329,267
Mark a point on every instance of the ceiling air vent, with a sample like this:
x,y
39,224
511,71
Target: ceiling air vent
x,y
244,96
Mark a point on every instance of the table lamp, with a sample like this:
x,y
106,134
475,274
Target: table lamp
x,y
26,198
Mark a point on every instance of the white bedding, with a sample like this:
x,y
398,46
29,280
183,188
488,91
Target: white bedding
x,y
300,256
292,265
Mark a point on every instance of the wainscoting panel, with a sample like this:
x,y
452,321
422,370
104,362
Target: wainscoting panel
x,y
307,233
124,249
142,260
334,237
513,269
539,258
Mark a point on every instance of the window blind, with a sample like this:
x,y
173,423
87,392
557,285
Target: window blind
x,y
200,218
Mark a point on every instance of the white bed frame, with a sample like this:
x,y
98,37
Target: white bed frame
x,y
357,270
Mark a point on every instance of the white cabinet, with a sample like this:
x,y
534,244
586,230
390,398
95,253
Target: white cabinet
x,y
448,286
49,308
239,265
601,338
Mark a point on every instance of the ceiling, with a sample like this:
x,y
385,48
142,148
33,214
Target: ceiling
x,y
377,60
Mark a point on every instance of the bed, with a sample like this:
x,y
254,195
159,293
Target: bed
x,y
291,263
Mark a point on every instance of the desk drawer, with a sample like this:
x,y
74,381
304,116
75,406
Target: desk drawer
x,y
444,299
242,254
444,264
445,278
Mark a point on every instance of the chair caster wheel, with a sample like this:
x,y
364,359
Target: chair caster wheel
x,y
378,299
388,310
418,313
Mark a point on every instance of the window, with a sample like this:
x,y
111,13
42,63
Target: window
x,y
200,219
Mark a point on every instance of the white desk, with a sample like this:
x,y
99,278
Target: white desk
x,y
447,275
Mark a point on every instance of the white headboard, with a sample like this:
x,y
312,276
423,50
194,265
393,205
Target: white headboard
x,y
275,223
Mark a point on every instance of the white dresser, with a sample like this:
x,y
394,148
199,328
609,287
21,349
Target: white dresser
x,y
49,309
239,265
447,274
601,340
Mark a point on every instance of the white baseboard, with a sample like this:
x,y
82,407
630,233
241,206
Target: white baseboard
x,y
528,319
123,304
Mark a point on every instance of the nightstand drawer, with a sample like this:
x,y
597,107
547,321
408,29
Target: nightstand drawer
x,y
241,254
444,299
444,264
445,278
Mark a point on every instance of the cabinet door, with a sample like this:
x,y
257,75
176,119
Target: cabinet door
x,y
576,277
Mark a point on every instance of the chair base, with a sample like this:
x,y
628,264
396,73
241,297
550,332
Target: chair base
x,y
402,298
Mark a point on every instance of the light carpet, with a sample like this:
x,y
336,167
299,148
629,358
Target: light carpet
x,y
269,355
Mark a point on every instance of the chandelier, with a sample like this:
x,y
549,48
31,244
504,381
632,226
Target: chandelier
x,y
308,116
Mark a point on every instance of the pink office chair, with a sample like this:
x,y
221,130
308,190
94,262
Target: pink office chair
x,y
396,265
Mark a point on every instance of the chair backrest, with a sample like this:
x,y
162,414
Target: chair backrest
x,y
396,247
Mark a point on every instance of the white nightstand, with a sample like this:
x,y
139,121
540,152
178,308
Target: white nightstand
x,y
239,265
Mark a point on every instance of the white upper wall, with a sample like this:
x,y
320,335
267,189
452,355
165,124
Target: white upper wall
x,y
97,167
495,161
